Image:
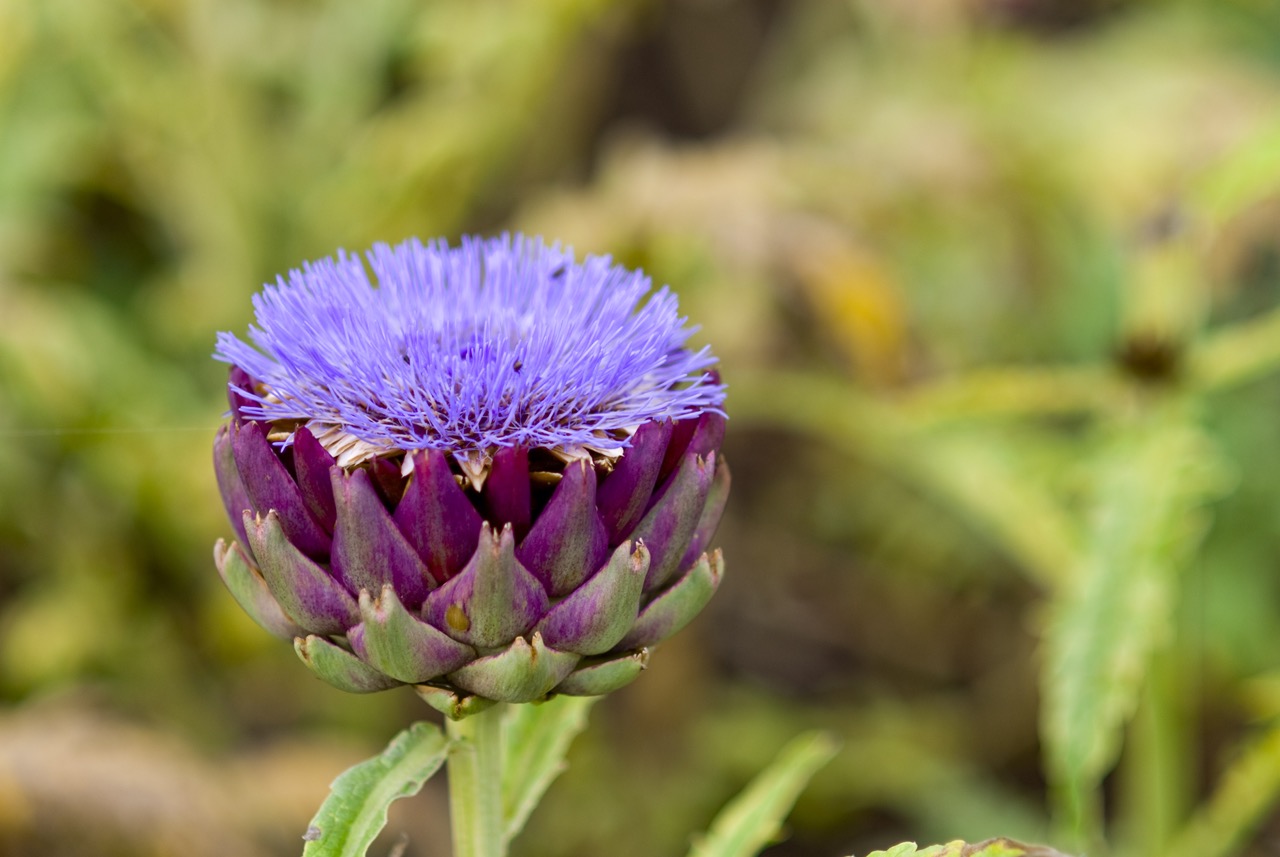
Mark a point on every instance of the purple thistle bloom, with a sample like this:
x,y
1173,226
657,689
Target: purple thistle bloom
x,y
494,475
494,343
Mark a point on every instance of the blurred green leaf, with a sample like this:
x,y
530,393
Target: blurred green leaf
x,y
1246,792
536,738
1244,352
753,819
1015,393
1150,485
918,270
1247,176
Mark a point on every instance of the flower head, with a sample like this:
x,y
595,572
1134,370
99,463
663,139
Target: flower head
x,y
494,475
492,344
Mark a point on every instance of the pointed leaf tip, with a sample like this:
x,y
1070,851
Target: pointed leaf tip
x,y
596,615
312,462
598,676
677,606
450,703
339,667
251,592
712,512
523,672
436,517
402,645
493,600
368,549
624,494
304,590
568,541
669,525
271,488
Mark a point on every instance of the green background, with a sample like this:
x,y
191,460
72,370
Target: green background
x,y
995,288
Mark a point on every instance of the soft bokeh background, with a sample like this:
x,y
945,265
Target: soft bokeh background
x,y
995,286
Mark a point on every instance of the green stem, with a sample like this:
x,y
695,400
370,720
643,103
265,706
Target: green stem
x,y
475,784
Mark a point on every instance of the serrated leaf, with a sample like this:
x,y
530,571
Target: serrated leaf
x,y
752,820
986,848
536,738
356,809
1149,486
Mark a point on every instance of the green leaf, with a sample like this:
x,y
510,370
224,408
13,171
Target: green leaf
x,y
356,809
1249,788
987,848
1246,351
752,820
1149,486
536,738
1242,180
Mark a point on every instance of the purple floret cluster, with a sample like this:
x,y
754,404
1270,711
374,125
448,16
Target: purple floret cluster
x,y
491,344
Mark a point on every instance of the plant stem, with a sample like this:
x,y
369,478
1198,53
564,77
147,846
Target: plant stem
x,y
475,784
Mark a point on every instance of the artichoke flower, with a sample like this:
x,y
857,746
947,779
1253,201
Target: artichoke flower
x,y
494,475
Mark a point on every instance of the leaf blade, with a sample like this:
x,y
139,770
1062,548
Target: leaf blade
x,y
751,819
1151,481
1248,789
536,739
356,809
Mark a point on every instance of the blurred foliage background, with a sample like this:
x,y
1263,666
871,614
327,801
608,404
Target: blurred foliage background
x,y
996,286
